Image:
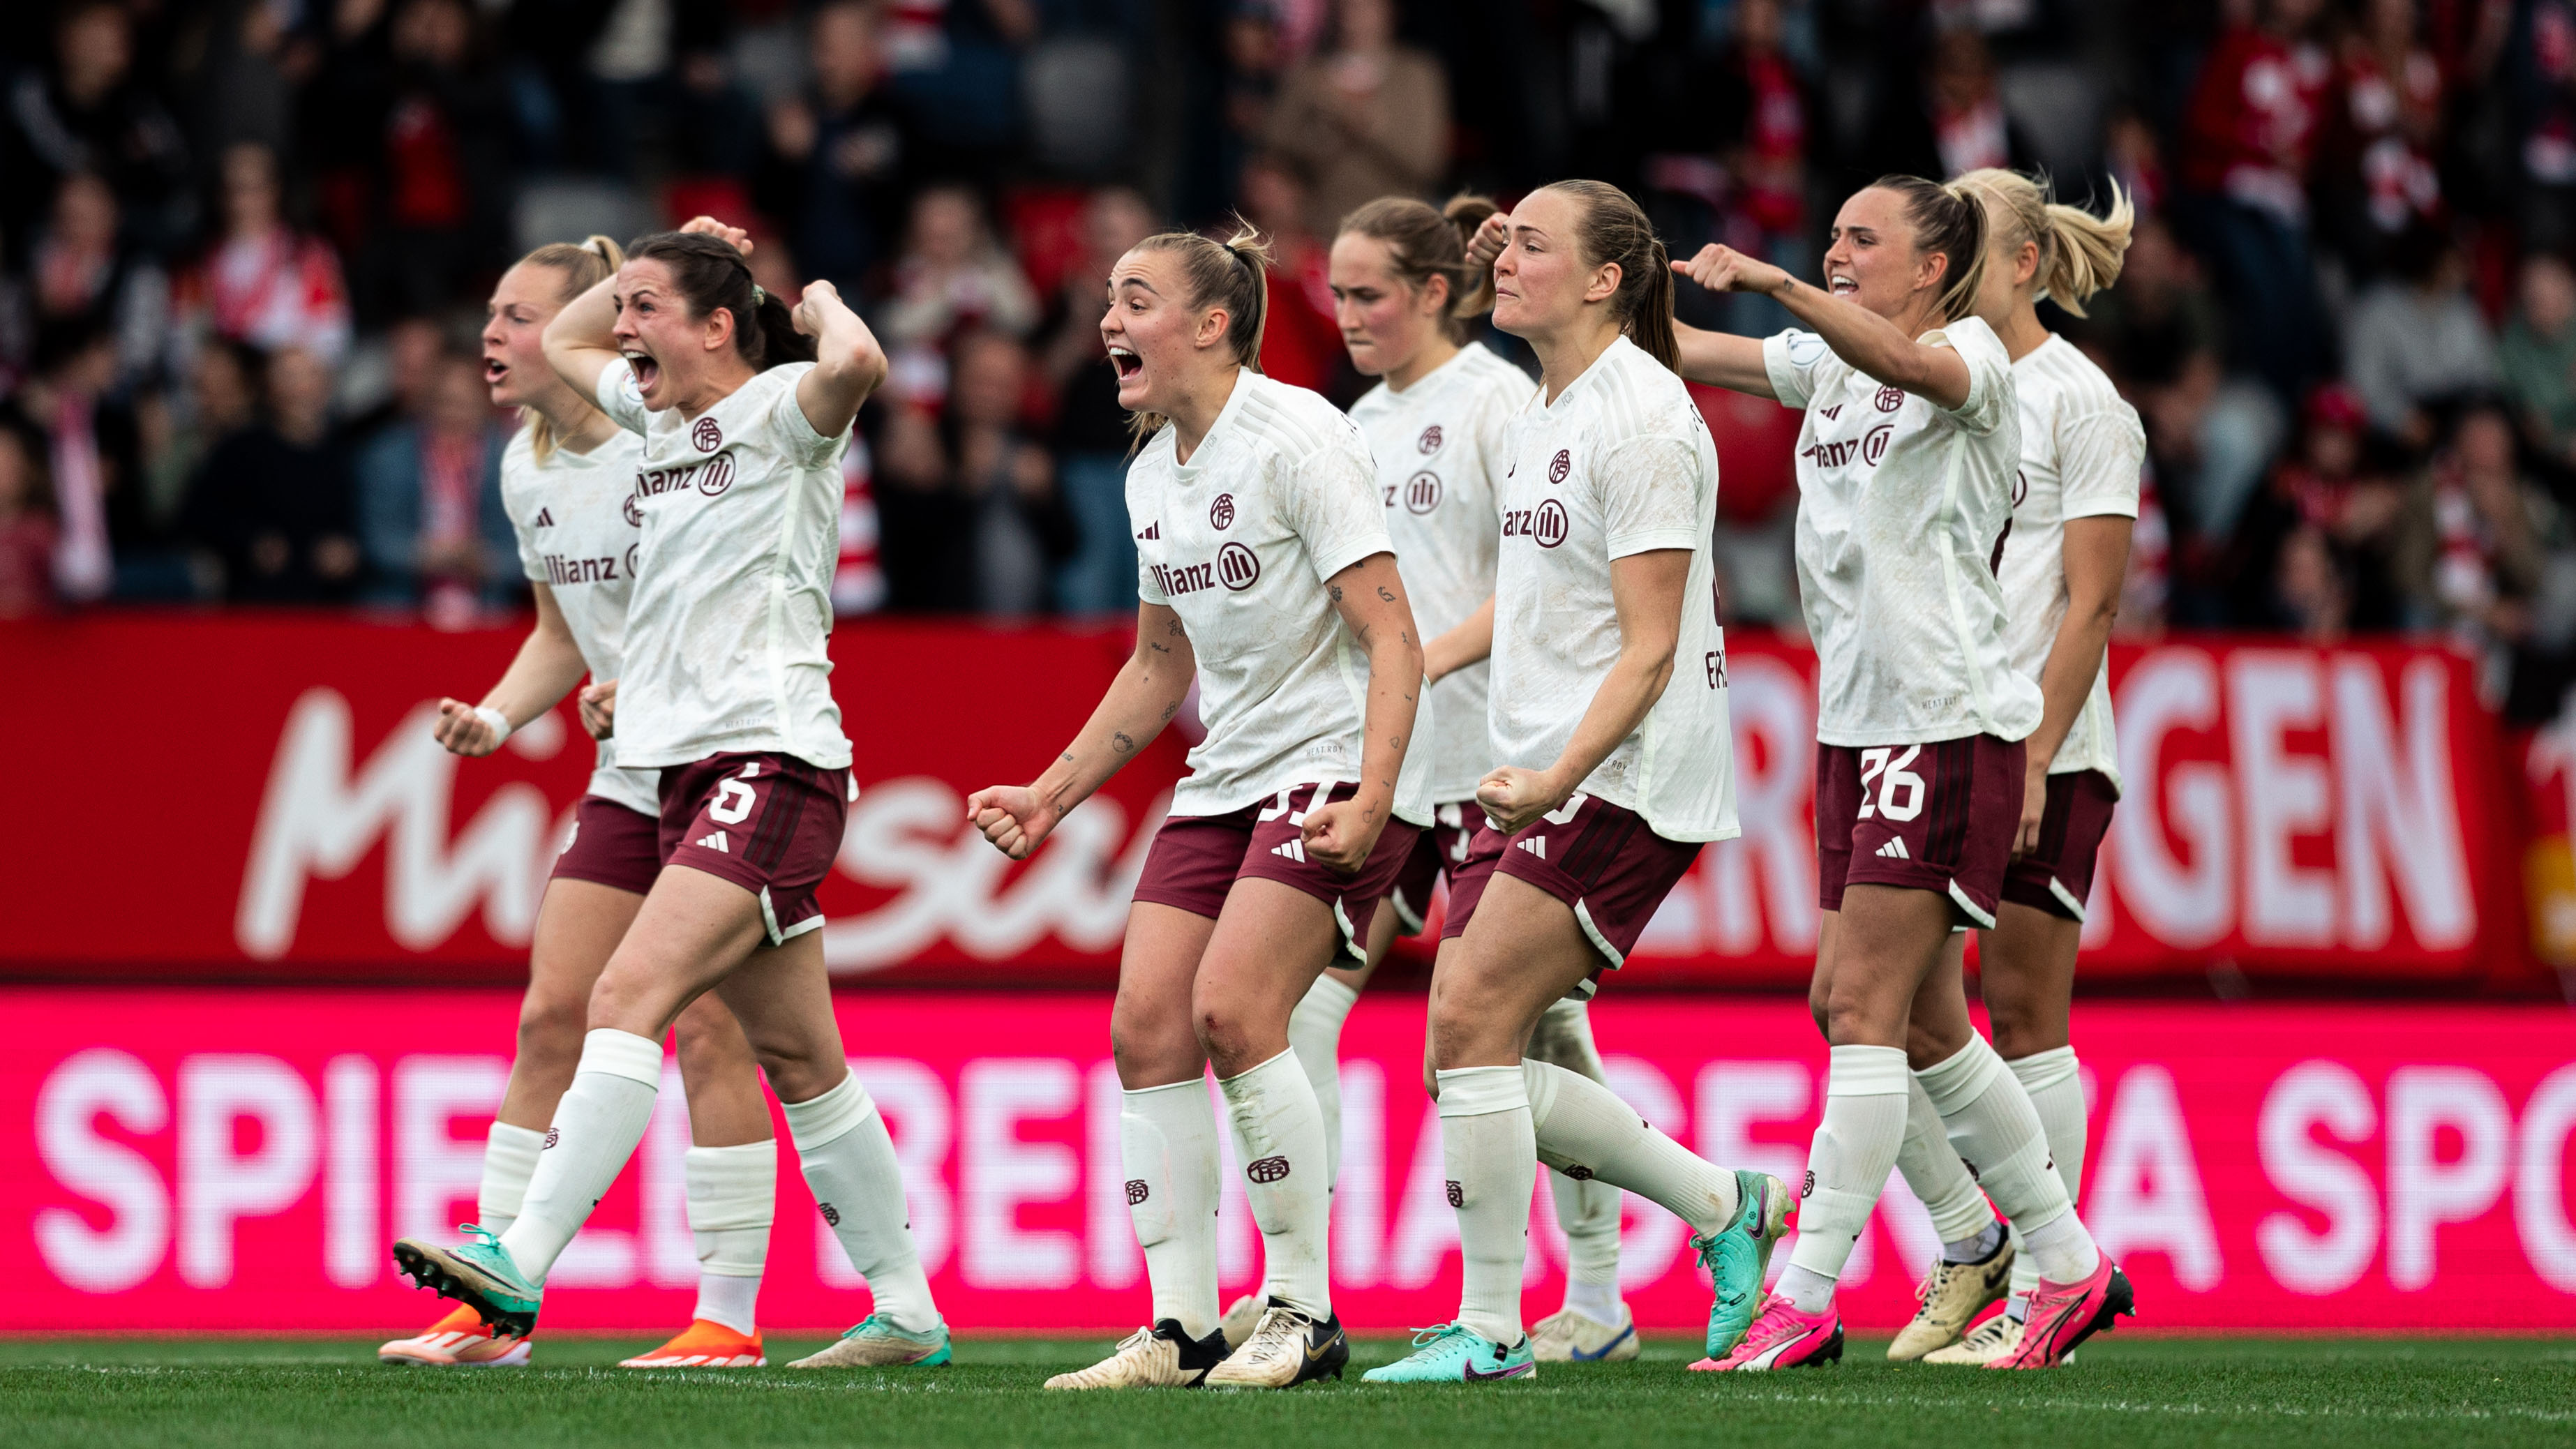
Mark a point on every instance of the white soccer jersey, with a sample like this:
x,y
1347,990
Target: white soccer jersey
x,y
1438,444
2081,449
1621,463
578,535
1901,506
733,605
1239,542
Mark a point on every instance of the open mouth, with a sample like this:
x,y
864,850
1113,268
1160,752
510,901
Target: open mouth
x,y
1128,363
647,371
494,369
1841,286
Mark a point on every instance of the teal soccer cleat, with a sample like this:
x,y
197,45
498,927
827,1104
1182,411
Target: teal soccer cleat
x,y
1452,1353
1738,1256
479,1274
875,1342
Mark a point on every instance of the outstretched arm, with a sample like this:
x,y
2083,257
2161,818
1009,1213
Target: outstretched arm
x,y
848,364
1723,359
1857,335
1646,589
1369,595
1141,700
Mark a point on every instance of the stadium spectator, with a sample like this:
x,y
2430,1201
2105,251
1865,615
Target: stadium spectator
x,y
264,282
2416,339
2472,540
2536,358
90,112
2381,134
1090,436
1363,117
429,504
93,464
86,276
221,398
26,524
1970,129
1301,344
272,502
2339,495
953,277
1020,527
838,152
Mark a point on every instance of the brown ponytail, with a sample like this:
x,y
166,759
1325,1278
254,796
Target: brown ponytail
x,y
1422,243
1949,220
1615,229
583,266
1233,274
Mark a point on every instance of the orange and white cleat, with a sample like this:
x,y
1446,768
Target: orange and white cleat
x,y
703,1344
460,1340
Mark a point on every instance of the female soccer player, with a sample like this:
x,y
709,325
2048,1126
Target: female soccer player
x,y
1264,566
2076,498
566,481
1609,724
744,411
1436,427
1905,473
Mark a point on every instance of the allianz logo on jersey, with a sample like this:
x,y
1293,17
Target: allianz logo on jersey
x,y
562,570
711,478
1834,453
1235,566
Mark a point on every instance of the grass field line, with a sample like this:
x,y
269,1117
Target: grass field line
x,y
2158,1406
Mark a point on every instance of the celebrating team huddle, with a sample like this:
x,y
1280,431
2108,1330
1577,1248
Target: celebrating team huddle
x,y
1472,632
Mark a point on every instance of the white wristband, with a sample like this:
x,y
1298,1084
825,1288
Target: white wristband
x,y
499,722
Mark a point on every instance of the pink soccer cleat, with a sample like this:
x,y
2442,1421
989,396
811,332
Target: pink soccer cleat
x,y
1782,1337
2063,1315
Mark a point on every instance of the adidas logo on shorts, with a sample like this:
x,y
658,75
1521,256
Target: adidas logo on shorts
x,y
1895,849
717,842
1535,845
1293,850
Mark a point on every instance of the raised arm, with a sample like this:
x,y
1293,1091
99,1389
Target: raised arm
x,y
1722,359
581,343
848,364
1857,335
2097,562
1646,591
1141,700
1369,596
545,669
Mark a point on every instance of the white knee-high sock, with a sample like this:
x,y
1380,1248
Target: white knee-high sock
x,y
733,1199
1167,1144
1847,1167
1315,1035
509,1160
1491,1153
1997,1133
1584,1130
849,1162
597,1124
1960,1212
1587,1208
1279,1139
2055,1082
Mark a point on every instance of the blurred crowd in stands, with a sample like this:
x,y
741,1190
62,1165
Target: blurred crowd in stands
x,y
244,246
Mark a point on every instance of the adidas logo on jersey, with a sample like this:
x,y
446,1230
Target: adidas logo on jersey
x,y
1291,850
1152,530
1895,849
717,842
545,518
1535,845
1832,412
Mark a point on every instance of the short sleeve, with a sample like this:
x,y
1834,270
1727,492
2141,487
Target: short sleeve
x,y
1330,500
2099,455
1649,496
619,398
1791,358
1990,386
787,422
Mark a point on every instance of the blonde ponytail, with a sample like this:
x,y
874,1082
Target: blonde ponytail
x,y
2079,253
1233,274
584,266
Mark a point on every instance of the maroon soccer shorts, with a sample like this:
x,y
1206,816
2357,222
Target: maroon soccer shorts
x,y
611,845
1438,851
2057,876
1597,857
1196,859
768,822
1937,817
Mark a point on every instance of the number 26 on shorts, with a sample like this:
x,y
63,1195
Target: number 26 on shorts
x,y
1899,792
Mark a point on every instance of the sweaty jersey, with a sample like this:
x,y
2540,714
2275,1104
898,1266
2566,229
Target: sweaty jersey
x,y
1239,542
578,536
2081,448
1438,444
1902,507
733,607
1621,463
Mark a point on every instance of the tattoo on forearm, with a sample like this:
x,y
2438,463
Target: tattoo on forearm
x,y
1158,648
1335,590
1170,710
1173,628
1121,742
1383,594
1068,757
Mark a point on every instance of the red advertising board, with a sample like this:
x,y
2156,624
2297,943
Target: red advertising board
x,y
253,796
192,1159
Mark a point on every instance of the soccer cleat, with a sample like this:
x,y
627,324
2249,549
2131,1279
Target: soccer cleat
x,y
2063,1315
1287,1348
1453,1353
460,1340
1784,1338
1241,1317
1739,1254
704,1344
873,1342
1951,1296
1161,1357
1566,1336
480,1274
1985,1343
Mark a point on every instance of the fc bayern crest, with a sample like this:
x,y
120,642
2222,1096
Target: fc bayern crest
x,y
634,512
1889,399
1563,465
1221,512
706,435
1430,442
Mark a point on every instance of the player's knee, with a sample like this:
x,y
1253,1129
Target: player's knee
x,y
550,1026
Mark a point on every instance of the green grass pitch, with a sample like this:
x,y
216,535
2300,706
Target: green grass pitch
x,y
105,1393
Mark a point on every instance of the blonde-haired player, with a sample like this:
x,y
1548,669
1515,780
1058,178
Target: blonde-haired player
x,y
568,482
2073,505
